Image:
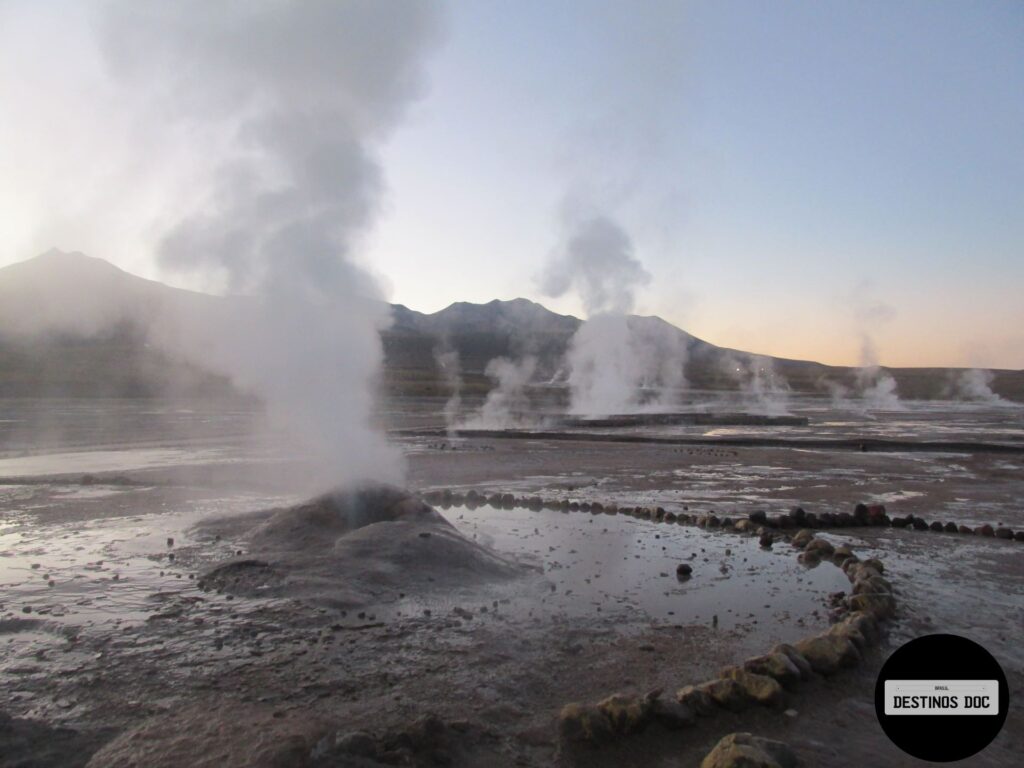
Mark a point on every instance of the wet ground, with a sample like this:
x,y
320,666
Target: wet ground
x,y
103,624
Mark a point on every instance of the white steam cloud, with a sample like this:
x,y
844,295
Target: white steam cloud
x,y
303,94
598,263
975,385
447,360
877,387
764,390
508,401
616,363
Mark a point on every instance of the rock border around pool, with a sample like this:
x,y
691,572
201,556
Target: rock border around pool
x,y
759,681
863,515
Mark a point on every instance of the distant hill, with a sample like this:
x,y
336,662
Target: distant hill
x,y
73,325
76,325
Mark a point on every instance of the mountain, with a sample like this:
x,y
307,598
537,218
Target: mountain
x,y
77,325
59,292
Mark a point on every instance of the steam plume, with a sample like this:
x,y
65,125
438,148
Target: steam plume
x,y
598,263
303,93
616,363
877,387
975,385
764,389
447,360
507,402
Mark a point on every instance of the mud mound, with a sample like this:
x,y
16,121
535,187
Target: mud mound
x,y
317,523
402,548
351,548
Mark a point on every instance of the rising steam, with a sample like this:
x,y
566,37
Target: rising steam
x,y
877,387
302,94
764,390
508,401
616,363
975,385
447,360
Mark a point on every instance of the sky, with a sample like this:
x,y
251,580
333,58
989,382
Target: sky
x,y
794,176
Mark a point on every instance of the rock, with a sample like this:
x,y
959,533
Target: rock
x,y
683,570
743,750
809,559
900,522
696,700
878,605
820,547
841,553
357,743
949,528
626,713
668,713
761,689
865,624
828,654
778,666
919,524
1018,536
860,514
583,724
964,529
876,514
785,522
767,539
851,633
798,514
727,693
802,538
936,526
1004,533
875,563
984,530
670,517
743,526
844,520
760,517
798,659
868,579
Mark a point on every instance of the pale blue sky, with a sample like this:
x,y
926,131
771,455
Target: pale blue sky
x,y
780,167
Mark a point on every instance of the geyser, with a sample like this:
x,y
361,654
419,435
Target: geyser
x,y
616,363
302,103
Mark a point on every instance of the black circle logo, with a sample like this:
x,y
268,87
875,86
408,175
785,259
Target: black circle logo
x,y
941,698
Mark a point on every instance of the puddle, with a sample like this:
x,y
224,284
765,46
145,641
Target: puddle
x,y
599,564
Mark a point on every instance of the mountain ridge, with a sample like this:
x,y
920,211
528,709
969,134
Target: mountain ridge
x,y
63,296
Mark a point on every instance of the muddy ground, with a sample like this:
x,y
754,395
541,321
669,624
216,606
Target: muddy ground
x,y
125,653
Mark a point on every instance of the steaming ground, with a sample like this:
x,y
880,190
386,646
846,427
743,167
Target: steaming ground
x,y
113,506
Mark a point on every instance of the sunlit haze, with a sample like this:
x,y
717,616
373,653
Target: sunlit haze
x,y
791,175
